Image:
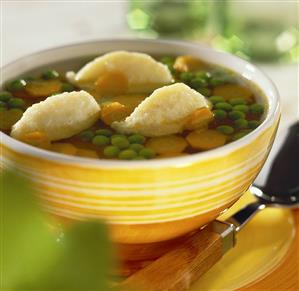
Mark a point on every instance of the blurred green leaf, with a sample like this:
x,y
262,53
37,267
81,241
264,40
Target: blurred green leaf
x,y
26,242
36,258
84,260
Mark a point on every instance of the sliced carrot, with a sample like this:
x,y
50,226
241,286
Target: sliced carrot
x,y
206,139
170,144
114,112
37,138
112,83
87,153
64,148
42,89
230,91
199,118
188,64
130,101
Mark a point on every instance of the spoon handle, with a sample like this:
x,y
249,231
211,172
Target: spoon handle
x,y
240,219
179,268
245,214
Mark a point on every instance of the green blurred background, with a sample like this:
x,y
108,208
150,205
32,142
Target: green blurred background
x,y
264,31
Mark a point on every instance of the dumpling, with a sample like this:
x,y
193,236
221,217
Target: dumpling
x,y
136,72
164,112
59,116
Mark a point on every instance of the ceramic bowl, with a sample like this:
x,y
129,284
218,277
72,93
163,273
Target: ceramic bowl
x,y
144,201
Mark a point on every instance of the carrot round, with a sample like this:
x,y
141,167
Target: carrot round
x,y
169,144
206,139
64,148
37,138
230,91
188,64
114,112
112,83
199,118
39,89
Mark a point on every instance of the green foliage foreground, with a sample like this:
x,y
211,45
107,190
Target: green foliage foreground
x,y
34,257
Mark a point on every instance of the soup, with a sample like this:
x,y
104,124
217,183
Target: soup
x,y
131,106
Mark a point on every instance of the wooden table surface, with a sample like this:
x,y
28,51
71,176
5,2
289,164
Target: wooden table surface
x,y
286,275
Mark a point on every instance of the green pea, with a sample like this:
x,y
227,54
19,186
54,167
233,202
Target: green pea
x,y
198,82
241,123
101,140
166,60
136,147
241,107
216,99
204,75
216,81
224,106
5,96
236,115
257,108
220,78
237,101
225,129
67,87
17,85
136,138
253,124
3,104
16,103
186,76
87,135
111,151
238,135
120,141
50,74
204,91
127,155
147,153
104,131
219,114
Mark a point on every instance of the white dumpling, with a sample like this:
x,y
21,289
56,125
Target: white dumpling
x,y
141,70
163,112
59,116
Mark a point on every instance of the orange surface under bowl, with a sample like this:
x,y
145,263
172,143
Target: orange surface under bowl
x,y
145,201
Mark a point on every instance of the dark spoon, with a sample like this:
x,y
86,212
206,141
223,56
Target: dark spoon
x,y
282,184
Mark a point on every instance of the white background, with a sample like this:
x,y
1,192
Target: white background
x,y
29,26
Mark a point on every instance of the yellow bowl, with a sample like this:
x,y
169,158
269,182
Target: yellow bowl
x,y
144,201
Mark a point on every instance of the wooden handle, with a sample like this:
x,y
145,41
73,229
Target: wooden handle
x,y
179,268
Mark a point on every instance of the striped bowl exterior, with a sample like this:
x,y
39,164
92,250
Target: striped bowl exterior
x,y
136,197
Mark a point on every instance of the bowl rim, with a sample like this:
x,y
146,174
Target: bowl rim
x,y
155,163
